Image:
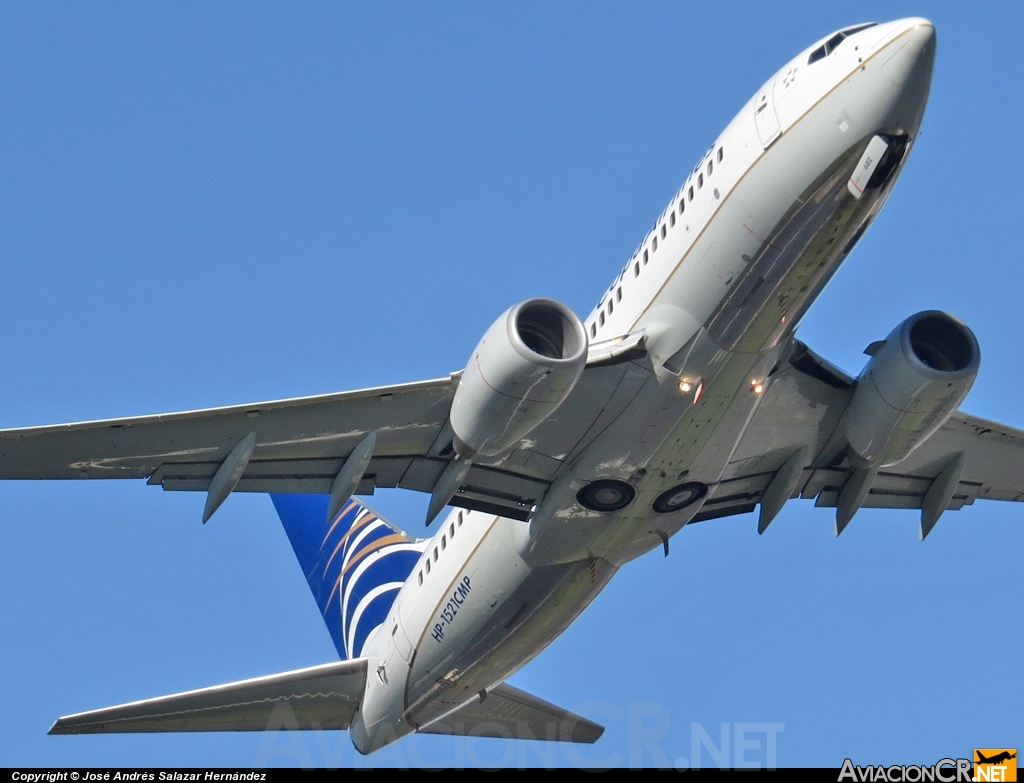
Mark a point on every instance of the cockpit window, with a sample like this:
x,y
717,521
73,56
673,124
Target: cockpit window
x,y
858,28
826,48
832,43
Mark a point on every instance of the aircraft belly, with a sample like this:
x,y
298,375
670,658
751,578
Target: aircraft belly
x,y
748,278
695,448
764,202
456,604
795,261
521,626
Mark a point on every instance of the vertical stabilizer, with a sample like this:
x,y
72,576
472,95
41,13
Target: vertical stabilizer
x,y
354,564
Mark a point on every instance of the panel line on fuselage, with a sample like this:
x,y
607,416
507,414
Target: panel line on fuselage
x,y
707,223
437,607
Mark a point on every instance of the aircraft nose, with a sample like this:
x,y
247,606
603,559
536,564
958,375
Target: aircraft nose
x,y
909,57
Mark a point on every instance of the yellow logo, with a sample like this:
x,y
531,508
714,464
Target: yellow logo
x,y
995,764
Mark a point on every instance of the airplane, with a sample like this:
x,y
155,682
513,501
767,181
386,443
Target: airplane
x,y
683,397
996,759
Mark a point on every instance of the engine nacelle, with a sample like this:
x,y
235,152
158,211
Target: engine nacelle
x,y
912,384
520,372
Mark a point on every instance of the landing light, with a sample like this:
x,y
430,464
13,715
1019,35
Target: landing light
x,y
684,387
756,386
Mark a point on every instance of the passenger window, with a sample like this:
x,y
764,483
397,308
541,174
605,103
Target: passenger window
x,y
421,577
593,330
672,218
460,519
451,530
428,564
645,256
700,181
435,554
636,269
611,306
720,153
711,167
663,230
444,543
618,295
682,206
654,245
690,194
601,317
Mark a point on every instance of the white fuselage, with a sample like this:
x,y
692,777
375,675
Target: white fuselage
x,y
717,287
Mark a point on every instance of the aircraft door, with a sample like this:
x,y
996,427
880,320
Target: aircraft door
x,y
765,117
397,625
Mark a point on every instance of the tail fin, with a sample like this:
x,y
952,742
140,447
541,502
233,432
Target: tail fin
x,y
355,564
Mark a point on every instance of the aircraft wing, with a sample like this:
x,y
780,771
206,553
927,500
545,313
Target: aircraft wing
x,y
301,444
802,407
320,697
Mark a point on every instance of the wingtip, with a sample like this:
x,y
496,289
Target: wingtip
x,y
598,732
63,726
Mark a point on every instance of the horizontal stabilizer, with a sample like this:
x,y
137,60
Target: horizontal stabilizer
x,y
508,712
320,697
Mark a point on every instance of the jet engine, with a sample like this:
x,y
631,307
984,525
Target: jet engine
x,y
520,372
914,381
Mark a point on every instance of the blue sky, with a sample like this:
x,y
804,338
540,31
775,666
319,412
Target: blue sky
x,y
203,205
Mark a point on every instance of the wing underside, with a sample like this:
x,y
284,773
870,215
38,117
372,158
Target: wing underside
x,y
302,444
802,409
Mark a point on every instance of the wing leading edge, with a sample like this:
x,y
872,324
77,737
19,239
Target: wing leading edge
x,y
294,437
301,445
